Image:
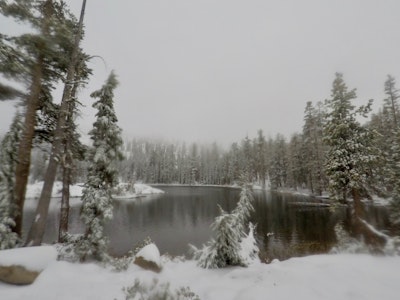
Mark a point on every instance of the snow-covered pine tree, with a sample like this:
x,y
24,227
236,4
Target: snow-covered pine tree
x,y
351,151
224,250
351,155
8,160
313,149
227,249
391,121
97,207
395,176
244,208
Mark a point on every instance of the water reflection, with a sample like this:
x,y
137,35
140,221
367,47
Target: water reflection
x,y
183,215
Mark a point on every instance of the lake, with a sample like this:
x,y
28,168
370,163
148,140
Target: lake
x,y
287,225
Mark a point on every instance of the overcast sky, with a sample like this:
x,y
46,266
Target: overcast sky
x,y
216,70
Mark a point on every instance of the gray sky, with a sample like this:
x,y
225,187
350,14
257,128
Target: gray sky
x,y
216,70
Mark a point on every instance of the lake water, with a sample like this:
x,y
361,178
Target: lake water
x,y
287,225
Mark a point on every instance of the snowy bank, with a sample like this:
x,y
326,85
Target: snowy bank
x,y
33,191
335,277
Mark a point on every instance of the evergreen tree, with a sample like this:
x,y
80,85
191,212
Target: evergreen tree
x,y
227,249
395,176
392,145
260,145
37,60
8,160
72,150
279,163
37,229
313,149
97,207
351,156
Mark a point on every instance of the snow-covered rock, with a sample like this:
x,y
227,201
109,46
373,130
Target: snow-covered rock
x,y
149,258
23,265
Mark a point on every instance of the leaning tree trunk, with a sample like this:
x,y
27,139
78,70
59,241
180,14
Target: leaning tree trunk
x,y
25,145
361,227
67,164
38,227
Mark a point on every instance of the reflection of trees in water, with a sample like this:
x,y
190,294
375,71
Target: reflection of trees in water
x,y
183,215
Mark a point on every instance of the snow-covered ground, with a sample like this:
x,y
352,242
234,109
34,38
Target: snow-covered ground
x,y
33,191
341,276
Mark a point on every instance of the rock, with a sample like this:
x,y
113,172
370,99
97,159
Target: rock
x,y
147,265
23,265
149,258
17,275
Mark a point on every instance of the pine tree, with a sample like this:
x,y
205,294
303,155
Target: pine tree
x,y
279,163
313,149
260,145
73,150
37,60
37,229
8,160
395,176
97,207
392,145
351,156
226,249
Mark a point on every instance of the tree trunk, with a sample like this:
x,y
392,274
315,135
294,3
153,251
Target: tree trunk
x,y
360,227
25,146
64,212
37,230
67,168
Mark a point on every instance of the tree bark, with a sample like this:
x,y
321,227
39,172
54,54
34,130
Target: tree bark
x,y
37,230
64,212
25,146
67,168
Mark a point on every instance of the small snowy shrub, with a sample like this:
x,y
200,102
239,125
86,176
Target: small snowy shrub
x,y
156,291
139,246
122,263
224,250
231,246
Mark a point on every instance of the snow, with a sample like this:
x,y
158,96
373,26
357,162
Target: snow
x,y
339,276
34,190
32,258
143,189
151,253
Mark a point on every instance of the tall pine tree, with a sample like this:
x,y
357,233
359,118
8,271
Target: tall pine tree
x,y
97,207
38,60
351,155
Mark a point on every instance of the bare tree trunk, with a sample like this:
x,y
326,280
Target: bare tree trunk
x,y
37,230
67,169
64,212
361,228
25,146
